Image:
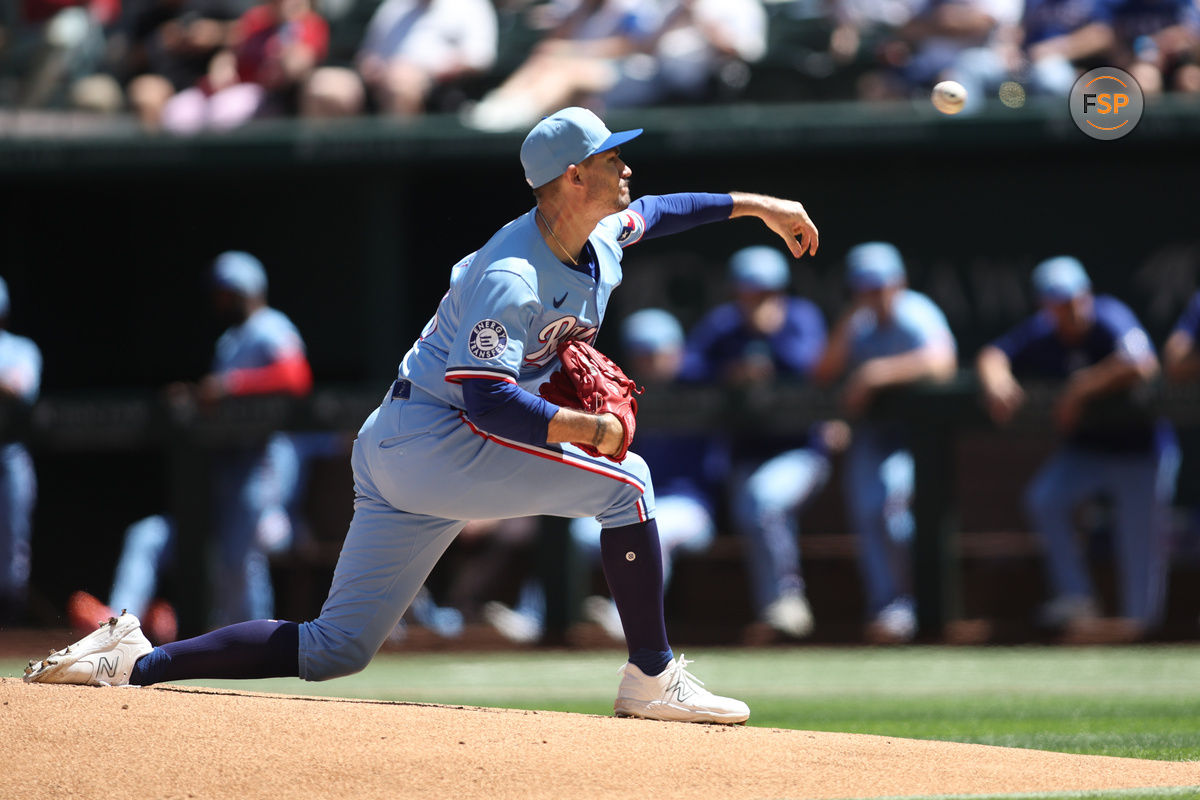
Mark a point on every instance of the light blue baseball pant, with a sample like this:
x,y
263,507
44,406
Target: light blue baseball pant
x,y
421,470
767,506
1141,488
18,491
250,488
878,490
148,549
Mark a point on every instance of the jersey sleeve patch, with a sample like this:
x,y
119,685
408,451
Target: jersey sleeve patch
x,y
632,228
488,339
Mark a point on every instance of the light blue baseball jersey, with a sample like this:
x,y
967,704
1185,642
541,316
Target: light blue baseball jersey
x,y
916,322
20,365
511,303
266,338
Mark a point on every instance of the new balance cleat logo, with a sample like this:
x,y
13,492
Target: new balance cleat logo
x,y
682,691
107,666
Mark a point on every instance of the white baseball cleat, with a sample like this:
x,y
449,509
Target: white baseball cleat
x,y
674,695
104,657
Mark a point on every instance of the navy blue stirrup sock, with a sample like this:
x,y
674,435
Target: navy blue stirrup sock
x,y
262,648
632,559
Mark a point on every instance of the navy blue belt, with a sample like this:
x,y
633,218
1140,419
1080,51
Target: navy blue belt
x,y
402,390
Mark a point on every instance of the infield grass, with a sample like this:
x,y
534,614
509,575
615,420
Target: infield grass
x,y
1141,702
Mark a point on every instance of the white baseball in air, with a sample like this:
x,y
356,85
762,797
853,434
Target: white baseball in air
x,y
949,97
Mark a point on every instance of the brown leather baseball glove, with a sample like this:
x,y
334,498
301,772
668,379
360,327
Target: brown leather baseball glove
x,y
590,381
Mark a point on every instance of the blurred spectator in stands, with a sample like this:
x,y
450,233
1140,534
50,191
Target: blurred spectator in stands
x,y
1113,444
272,50
50,44
861,25
955,39
760,337
688,469
1062,38
169,45
581,56
412,50
1182,353
260,353
20,379
699,44
889,337
1156,42
619,54
1059,39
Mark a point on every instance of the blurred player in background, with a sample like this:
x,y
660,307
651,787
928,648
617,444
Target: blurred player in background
x,y
889,337
1181,355
761,336
1096,344
260,353
461,435
20,379
688,470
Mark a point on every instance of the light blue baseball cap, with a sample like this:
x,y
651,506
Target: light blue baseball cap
x,y
564,138
1060,279
759,268
240,273
3,298
651,330
874,265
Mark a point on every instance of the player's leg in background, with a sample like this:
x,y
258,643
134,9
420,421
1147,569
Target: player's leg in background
x,y
684,525
1065,480
18,490
1142,489
251,487
766,506
147,551
878,489
148,548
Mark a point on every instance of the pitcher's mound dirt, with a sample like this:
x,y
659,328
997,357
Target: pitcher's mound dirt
x,y
71,741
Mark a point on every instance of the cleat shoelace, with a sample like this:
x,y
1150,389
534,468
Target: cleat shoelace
x,y
683,683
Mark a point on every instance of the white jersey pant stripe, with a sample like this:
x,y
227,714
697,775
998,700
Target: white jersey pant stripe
x,y
420,471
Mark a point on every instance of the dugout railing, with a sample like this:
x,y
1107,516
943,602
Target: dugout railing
x,y
186,437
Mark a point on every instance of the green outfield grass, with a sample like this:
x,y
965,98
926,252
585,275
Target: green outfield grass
x,y
1140,702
